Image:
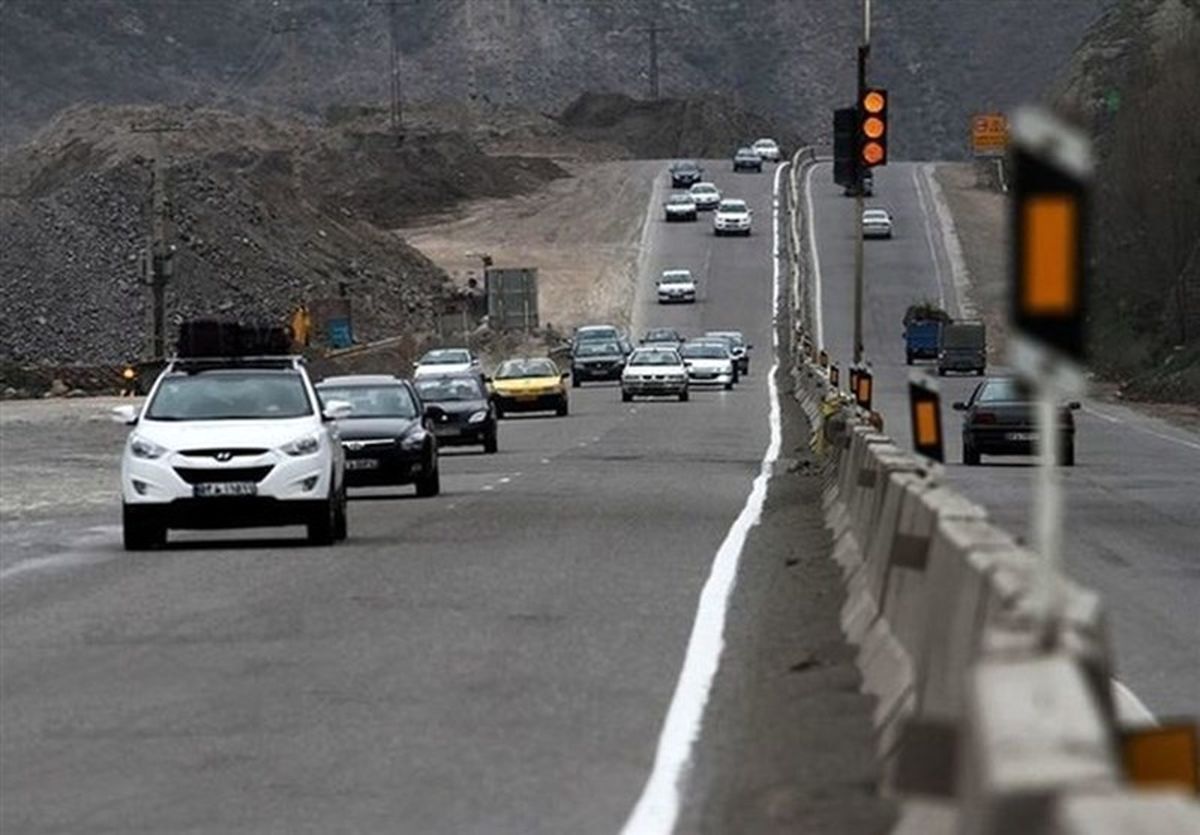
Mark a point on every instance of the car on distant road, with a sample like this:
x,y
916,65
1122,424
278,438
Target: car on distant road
x,y
747,159
708,363
685,173
676,286
705,195
446,361
738,346
602,333
680,206
767,149
876,223
232,442
596,360
385,437
530,384
1000,418
464,414
868,186
732,218
962,346
668,337
654,372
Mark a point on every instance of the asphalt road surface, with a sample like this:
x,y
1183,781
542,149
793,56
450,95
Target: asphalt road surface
x,y
1133,498
499,659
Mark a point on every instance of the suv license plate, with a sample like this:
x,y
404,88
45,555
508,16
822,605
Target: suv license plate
x,y
225,488
1022,436
362,463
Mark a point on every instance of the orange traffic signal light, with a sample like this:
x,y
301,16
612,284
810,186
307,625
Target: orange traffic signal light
x,y
872,127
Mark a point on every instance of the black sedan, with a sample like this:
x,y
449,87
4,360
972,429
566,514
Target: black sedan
x,y
747,159
385,438
1001,419
596,361
463,413
685,174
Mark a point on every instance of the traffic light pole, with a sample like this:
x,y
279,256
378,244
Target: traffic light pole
x,y
858,200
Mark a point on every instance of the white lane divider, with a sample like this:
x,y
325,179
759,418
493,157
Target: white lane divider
x,y
657,809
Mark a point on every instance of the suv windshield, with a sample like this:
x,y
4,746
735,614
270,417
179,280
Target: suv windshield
x,y
734,206
441,389
606,334
230,395
372,401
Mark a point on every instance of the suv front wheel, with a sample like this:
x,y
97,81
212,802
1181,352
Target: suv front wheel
x,y
139,531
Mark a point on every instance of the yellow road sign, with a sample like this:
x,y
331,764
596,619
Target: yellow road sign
x,y
989,134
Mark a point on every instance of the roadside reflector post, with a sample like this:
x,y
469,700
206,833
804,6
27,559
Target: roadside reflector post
x,y
823,358
1162,757
863,386
925,413
834,375
1048,218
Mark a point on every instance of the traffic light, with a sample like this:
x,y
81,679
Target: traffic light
x,y
845,147
872,127
1051,170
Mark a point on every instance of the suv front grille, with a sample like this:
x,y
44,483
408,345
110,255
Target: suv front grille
x,y
210,475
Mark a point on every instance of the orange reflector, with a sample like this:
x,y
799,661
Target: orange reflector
x,y
873,127
927,429
873,101
872,153
1050,226
1162,757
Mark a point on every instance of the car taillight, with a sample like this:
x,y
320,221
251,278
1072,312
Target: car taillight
x,y
984,417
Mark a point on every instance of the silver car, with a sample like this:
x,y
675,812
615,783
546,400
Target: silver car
x,y
876,223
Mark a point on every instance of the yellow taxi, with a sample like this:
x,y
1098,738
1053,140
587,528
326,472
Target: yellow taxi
x,y
530,385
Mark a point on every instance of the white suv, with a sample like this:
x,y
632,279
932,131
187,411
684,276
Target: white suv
x,y
232,443
732,218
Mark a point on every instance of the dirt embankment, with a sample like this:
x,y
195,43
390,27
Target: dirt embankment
x,y
265,214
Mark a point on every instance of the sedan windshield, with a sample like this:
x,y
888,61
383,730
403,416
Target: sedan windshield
x,y
442,389
1005,390
597,349
704,188
372,401
654,358
230,395
710,351
518,369
681,199
675,277
607,334
661,336
450,357
735,338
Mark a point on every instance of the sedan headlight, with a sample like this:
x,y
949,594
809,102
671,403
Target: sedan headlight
x,y
146,449
478,417
304,445
412,441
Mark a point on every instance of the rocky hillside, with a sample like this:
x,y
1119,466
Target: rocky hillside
x,y
264,214
790,60
1133,84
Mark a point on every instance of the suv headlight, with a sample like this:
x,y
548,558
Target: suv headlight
x,y
478,417
143,448
305,445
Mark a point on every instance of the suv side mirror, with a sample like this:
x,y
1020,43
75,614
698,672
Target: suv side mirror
x,y
959,406
433,412
1073,405
127,415
337,410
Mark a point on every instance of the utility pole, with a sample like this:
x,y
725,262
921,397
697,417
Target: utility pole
x,y
159,263
394,83
864,51
652,31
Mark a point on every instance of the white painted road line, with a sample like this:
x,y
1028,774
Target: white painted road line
x,y
1137,427
657,809
927,223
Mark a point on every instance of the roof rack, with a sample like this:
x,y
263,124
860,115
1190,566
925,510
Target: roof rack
x,y
273,361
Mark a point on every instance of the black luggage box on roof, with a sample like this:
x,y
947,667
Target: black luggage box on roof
x,y
224,338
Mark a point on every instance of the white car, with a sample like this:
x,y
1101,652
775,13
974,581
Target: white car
x,y
235,443
708,363
767,149
705,195
876,223
676,286
443,361
680,206
732,218
654,372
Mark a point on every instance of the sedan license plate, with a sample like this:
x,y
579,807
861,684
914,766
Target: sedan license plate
x,y
447,431
224,488
362,463
1021,436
